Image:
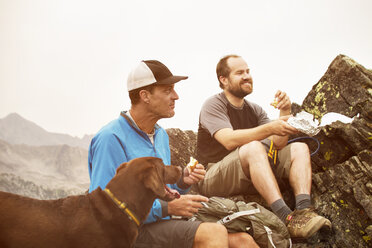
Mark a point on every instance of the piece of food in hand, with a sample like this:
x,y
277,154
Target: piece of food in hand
x,y
192,164
274,103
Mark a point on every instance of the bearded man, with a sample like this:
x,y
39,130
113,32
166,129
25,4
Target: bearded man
x,y
245,151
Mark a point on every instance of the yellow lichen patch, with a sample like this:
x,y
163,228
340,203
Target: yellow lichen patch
x,y
366,238
320,85
328,155
319,97
315,112
334,205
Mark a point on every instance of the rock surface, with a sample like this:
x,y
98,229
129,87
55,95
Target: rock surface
x,y
342,167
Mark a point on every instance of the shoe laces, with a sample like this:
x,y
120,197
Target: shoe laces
x,y
300,217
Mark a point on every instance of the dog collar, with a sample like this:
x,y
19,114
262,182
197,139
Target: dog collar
x,y
122,207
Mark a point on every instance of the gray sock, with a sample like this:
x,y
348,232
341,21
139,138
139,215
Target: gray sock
x,y
303,201
281,209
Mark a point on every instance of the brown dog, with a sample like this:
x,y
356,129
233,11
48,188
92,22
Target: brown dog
x,y
101,219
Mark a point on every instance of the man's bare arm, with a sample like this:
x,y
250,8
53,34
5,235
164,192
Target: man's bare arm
x,y
231,139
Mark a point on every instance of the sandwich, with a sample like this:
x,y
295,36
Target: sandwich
x,y
192,164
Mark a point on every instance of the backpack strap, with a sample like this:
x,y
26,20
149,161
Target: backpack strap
x,y
235,215
269,235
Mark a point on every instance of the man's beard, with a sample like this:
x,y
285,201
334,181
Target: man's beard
x,y
238,92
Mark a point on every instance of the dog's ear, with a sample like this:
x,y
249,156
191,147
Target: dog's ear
x,y
122,166
153,178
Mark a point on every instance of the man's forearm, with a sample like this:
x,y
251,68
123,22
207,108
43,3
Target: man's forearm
x,y
231,139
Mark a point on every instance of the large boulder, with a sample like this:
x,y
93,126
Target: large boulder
x,y
342,167
345,88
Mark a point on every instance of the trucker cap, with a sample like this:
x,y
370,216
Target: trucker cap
x,y
151,72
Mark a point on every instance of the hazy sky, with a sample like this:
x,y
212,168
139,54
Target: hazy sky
x,y
64,63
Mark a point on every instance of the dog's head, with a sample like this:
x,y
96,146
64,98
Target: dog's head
x,y
154,175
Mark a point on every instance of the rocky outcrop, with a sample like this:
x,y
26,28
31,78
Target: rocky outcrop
x,y
342,167
345,88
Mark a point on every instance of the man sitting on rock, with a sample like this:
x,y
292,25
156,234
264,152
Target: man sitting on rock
x,y
244,149
135,133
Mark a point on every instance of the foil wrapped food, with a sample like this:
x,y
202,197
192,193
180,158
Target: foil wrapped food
x,y
306,123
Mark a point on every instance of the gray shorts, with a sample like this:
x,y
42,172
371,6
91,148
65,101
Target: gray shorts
x,y
167,233
226,177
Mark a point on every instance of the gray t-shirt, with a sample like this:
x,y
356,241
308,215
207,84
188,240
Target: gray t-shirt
x,y
218,113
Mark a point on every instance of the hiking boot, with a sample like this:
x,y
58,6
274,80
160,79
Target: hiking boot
x,y
305,223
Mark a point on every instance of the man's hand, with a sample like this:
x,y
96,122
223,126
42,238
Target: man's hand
x,y
284,103
186,205
195,176
281,127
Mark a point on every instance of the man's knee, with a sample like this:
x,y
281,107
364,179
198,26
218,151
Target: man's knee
x,y
299,149
252,153
211,235
252,148
241,239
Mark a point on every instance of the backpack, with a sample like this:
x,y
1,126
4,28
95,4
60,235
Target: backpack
x,y
263,225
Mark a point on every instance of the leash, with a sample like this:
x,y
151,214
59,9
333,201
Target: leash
x,y
122,207
307,137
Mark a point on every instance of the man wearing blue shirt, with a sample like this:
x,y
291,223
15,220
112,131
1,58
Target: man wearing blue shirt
x,y
136,134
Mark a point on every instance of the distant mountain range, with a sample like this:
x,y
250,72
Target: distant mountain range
x,y
14,129
40,164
